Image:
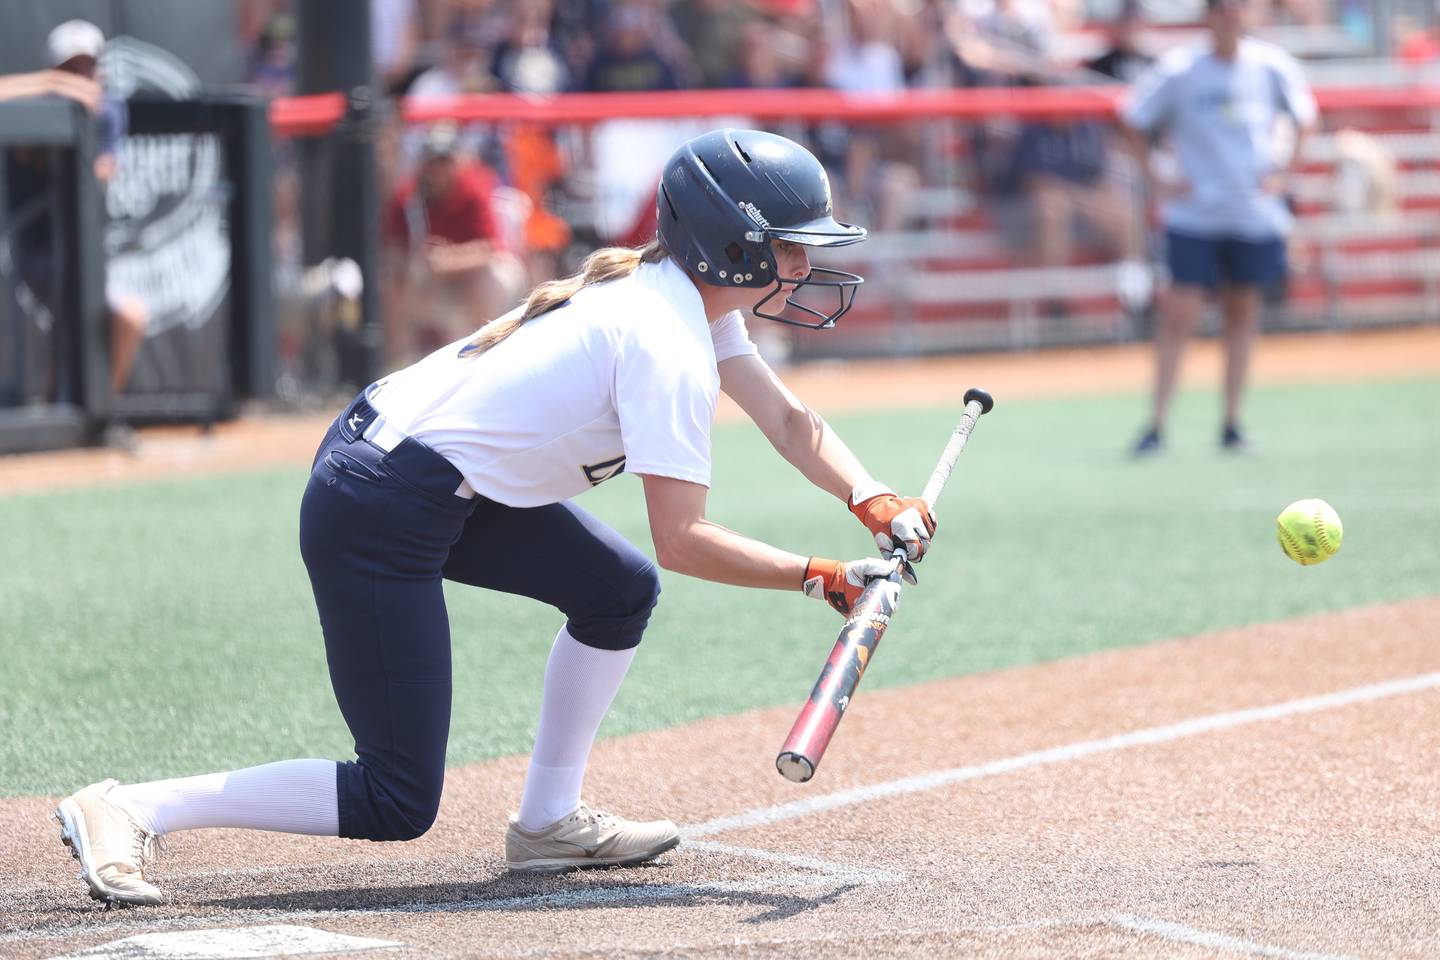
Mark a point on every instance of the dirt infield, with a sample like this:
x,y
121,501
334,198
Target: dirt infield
x,y
1268,791
1259,792
256,443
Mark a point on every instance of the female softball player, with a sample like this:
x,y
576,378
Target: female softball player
x,y
464,467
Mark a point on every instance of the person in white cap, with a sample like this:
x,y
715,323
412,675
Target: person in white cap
x,y
75,47
74,50
75,38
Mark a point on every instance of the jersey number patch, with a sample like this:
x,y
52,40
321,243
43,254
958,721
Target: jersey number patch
x,y
598,473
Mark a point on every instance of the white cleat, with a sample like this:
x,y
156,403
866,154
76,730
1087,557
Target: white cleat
x,y
112,848
587,838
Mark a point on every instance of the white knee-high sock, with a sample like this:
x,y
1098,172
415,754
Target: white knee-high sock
x,y
292,796
580,683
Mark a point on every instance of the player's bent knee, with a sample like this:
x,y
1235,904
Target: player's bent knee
x,y
387,805
621,624
400,821
415,823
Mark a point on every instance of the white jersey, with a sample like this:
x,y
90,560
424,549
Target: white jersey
x,y
1221,118
620,378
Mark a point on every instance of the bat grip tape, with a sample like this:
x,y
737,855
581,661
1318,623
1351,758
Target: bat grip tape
x,y
941,473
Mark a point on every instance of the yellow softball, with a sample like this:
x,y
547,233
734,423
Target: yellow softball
x,y
1309,531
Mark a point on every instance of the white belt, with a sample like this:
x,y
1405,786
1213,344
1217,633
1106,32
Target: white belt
x,y
387,437
384,435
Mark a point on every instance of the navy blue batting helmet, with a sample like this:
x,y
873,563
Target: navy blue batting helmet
x,y
725,195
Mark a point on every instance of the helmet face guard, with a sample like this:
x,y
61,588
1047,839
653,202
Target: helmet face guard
x,y
728,195
845,285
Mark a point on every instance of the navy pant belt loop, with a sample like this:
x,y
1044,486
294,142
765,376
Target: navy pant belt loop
x,y
357,418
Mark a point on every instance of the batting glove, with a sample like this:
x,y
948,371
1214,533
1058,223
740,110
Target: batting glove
x,y
892,520
840,584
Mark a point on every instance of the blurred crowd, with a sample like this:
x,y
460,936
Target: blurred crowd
x,y
476,215
473,215
428,47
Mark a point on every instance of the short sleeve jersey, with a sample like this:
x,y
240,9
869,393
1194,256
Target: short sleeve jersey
x,y
622,377
1221,118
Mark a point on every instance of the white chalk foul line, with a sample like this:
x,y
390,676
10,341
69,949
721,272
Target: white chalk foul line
x,y
825,870
1075,751
847,938
1210,940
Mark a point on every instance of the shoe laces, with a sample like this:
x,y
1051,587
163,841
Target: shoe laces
x,y
145,847
597,817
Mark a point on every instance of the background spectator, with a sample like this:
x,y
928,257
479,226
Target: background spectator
x,y
863,57
463,66
768,57
1064,170
1010,43
714,31
394,42
527,59
880,165
273,66
449,269
1226,223
921,40
74,49
1123,60
631,59
1054,181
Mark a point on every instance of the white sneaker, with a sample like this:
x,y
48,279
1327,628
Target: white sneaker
x,y
587,838
112,848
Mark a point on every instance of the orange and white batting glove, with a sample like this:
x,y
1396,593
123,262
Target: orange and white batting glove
x,y
894,520
840,583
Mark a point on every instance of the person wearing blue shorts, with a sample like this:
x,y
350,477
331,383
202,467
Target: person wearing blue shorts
x,y
1218,103
464,467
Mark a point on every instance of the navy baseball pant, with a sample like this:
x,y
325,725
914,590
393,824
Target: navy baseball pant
x,y
378,532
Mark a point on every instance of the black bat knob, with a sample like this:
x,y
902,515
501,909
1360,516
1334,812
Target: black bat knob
x,y
987,402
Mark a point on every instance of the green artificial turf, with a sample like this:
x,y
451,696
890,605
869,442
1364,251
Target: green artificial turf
x,y
167,628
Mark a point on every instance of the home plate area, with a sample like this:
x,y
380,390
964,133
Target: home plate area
x,y
273,940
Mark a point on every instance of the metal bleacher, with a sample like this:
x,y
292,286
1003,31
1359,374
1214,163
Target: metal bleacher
x,y
951,281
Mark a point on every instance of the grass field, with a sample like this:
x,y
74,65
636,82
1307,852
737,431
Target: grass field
x,y
167,628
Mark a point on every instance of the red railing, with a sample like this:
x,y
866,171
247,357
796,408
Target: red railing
x,y
318,114
310,116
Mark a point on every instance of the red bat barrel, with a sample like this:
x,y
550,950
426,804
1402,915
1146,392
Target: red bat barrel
x,y
803,748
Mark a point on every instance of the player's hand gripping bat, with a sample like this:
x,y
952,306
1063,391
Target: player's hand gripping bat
x,y
803,748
